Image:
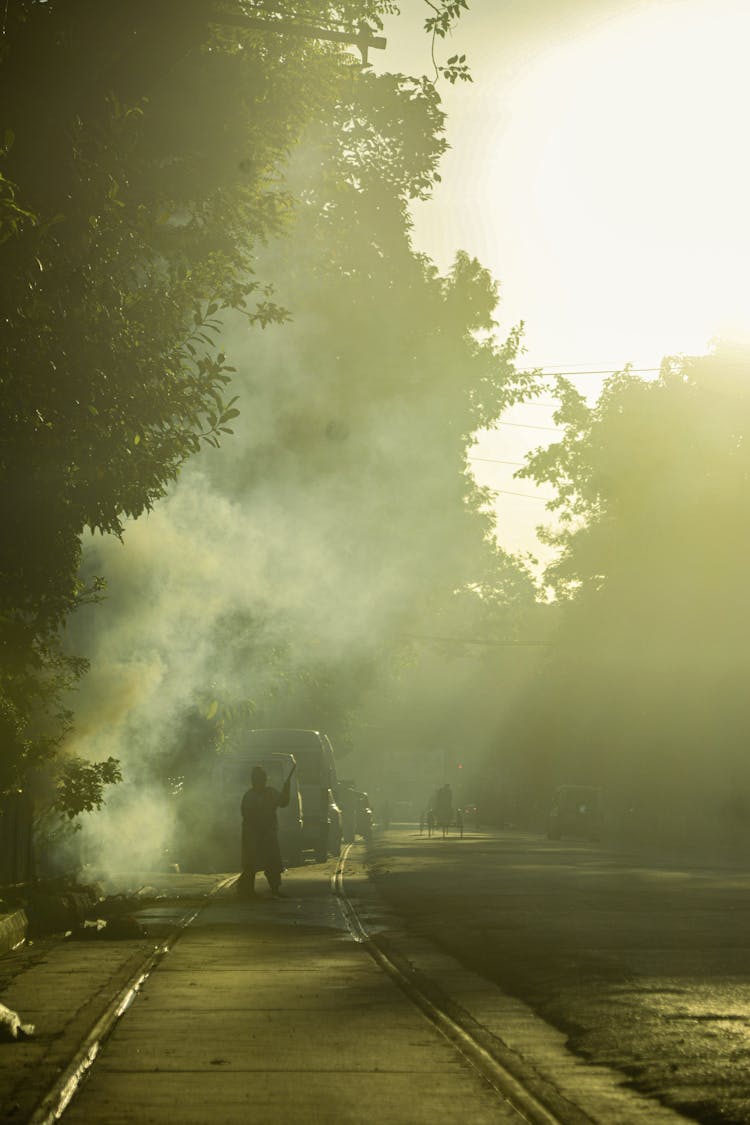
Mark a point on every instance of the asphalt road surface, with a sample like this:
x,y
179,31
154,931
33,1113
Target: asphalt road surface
x,y
644,962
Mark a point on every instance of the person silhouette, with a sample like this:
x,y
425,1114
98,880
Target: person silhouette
x,y
260,833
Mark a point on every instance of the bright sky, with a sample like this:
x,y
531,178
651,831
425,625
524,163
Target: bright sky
x,y
600,169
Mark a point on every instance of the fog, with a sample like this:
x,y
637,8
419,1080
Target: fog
x,y
330,567
334,565
306,573
311,576
643,691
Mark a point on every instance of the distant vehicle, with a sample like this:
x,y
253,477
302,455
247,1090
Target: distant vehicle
x,y
316,775
335,825
576,811
357,814
209,818
364,818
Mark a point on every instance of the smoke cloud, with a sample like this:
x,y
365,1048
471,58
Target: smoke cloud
x,y
327,531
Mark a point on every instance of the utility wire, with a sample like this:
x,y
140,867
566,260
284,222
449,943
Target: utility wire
x,y
526,495
508,491
525,426
471,641
495,461
553,405
542,370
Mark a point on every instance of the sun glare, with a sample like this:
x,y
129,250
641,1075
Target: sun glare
x,y
639,175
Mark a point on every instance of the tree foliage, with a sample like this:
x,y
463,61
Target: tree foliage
x,y
445,13
645,689
80,785
351,453
143,158
142,165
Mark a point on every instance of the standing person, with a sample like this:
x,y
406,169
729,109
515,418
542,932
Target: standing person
x,y
443,808
260,833
347,798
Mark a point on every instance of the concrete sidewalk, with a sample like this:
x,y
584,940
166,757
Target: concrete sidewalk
x,y
62,987
271,1012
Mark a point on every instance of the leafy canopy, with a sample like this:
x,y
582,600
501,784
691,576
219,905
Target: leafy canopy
x,y
645,689
142,165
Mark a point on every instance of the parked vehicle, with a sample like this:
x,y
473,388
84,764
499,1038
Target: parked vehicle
x,y
316,774
335,825
576,811
356,813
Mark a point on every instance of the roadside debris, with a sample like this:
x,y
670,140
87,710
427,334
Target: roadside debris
x,y
11,1028
59,905
120,928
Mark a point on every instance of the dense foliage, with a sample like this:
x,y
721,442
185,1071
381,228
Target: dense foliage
x,y
645,691
143,149
342,524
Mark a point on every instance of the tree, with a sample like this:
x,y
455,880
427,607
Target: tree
x,y
342,520
141,168
646,682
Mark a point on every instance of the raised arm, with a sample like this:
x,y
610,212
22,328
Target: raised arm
x,y
286,790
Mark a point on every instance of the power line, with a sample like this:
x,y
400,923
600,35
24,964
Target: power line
x,y
600,371
554,405
495,461
472,641
525,426
618,365
526,495
508,491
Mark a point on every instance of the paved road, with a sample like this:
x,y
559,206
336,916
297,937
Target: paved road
x,y
643,962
